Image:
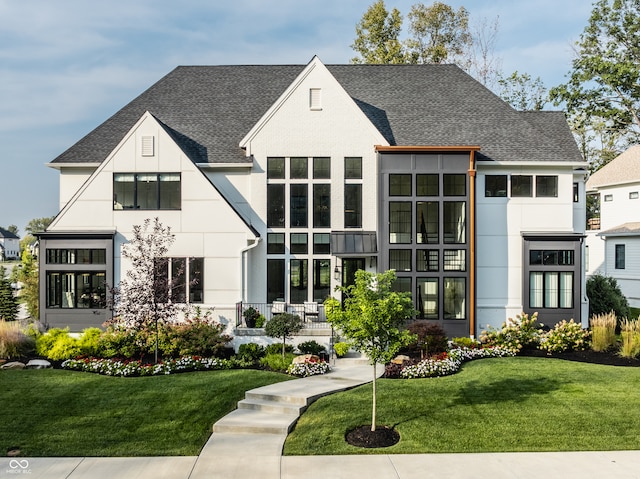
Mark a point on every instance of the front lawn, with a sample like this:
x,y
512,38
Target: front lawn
x,y
491,405
64,413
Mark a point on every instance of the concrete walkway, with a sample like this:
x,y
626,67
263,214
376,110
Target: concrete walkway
x,y
247,444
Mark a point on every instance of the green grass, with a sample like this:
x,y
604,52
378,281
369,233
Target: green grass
x,y
634,313
491,405
64,413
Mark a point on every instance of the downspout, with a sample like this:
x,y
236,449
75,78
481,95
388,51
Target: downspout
x,y
472,244
244,253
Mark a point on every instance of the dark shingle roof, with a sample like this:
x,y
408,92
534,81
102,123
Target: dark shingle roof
x,y
209,109
8,234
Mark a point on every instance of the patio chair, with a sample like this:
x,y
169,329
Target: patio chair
x,y
311,310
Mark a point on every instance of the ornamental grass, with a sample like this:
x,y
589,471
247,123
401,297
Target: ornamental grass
x,y
630,334
603,331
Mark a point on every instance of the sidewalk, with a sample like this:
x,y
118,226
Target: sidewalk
x,y
247,444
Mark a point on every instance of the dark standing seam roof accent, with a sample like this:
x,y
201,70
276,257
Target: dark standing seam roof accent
x,y
209,109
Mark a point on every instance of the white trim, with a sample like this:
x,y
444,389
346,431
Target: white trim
x,y
543,164
59,166
213,166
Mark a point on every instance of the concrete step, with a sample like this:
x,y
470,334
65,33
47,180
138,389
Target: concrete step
x,y
249,421
276,397
278,407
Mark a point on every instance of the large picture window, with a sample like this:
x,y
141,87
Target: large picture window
x,y
551,289
184,277
146,191
76,290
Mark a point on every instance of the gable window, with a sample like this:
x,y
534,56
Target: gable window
x,y
299,168
619,259
608,197
275,205
521,186
146,191
495,186
275,168
633,195
547,186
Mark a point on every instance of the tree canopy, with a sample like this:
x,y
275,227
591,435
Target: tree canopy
x,y
602,95
377,36
371,319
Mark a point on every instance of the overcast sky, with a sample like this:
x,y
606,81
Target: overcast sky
x,y
68,65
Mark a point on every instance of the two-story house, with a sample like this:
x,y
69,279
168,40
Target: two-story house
x,y
613,238
9,245
280,181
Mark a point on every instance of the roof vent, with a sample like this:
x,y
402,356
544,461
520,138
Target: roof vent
x,y
147,146
315,99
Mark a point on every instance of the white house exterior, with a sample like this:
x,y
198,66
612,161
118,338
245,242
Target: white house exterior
x,y
279,182
9,245
613,240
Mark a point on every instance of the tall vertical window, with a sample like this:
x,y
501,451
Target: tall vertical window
x,y
454,222
619,256
275,280
298,280
298,206
352,205
399,222
427,222
454,298
576,192
321,205
427,298
275,205
321,280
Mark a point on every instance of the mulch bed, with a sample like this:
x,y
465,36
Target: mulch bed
x,y
363,436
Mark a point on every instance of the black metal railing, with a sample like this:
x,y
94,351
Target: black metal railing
x,y
312,314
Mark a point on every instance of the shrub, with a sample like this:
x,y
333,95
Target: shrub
x,y
251,352
89,342
196,336
124,343
341,348
276,348
516,334
464,342
311,347
430,338
603,331
565,336
277,362
605,296
630,333
57,345
14,342
260,320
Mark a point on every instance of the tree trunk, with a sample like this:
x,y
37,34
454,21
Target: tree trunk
x,y
283,348
373,411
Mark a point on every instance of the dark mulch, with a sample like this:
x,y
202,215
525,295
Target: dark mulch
x,y
609,358
363,436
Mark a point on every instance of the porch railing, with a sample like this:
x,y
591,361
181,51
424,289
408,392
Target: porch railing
x,y
310,319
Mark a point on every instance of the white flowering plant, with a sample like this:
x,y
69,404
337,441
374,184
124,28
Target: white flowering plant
x,y
516,333
308,368
449,363
565,336
118,367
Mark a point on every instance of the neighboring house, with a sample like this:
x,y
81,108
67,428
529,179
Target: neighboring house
x,y
613,239
280,181
9,245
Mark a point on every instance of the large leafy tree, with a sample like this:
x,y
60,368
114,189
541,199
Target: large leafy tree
x,y
439,34
603,92
142,300
37,225
377,36
522,92
371,318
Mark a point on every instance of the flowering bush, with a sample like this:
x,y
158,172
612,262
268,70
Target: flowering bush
x,y
565,336
449,363
116,367
308,368
515,334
